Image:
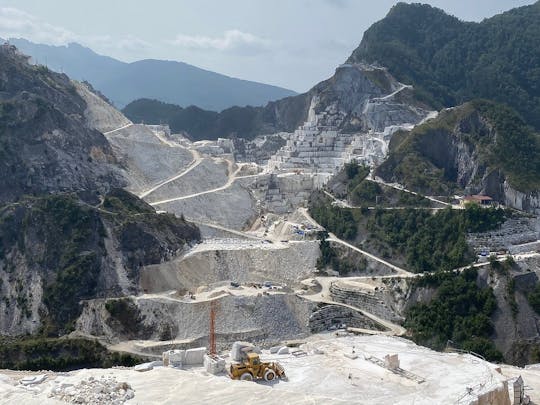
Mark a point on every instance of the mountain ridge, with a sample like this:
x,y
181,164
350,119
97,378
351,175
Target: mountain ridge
x,y
68,232
166,80
451,61
346,93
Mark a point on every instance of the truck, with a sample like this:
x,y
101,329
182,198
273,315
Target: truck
x,y
253,368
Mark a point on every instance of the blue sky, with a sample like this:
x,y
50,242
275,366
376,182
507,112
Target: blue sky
x,y
290,43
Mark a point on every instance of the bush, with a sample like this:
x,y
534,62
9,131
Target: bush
x,y
126,313
365,193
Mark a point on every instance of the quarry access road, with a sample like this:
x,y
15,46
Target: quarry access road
x,y
225,229
118,129
233,176
197,159
345,204
389,96
334,238
500,258
309,218
402,188
402,272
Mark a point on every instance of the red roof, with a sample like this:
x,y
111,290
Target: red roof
x,y
478,198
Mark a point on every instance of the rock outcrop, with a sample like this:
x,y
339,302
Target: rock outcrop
x,y
476,148
516,325
357,98
57,250
67,231
266,319
522,201
99,113
46,144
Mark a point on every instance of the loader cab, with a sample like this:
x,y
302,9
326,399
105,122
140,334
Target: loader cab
x,y
253,359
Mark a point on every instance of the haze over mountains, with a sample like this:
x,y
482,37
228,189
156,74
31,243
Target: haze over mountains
x,y
448,61
168,81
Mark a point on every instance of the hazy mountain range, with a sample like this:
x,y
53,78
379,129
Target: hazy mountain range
x,y
167,81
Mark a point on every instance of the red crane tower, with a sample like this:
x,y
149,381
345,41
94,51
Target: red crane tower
x,y
212,334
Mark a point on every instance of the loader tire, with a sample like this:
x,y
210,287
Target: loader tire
x,y
246,377
269,375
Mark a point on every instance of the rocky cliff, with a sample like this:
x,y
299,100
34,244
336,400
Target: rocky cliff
x,y
45,142
58,250
515,323
67,231
479,147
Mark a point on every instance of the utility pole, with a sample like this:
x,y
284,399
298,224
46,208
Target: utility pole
x,y
212,334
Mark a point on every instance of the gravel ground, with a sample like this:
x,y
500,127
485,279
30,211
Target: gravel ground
x,y
323,375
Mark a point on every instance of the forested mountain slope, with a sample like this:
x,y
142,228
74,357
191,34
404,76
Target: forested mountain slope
x,y
450,61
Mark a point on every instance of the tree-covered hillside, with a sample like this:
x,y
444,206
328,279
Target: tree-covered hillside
x,y
194,121
462,148
450,61
421,240
460,314
242,122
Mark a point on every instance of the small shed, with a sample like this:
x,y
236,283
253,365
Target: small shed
x,y
482,200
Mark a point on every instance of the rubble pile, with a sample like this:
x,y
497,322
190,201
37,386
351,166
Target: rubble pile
x,y
105,390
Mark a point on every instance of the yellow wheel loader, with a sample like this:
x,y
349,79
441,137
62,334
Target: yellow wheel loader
x,y
252,368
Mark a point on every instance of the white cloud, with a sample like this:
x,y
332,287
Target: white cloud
x,y
106,42
338,3
15,23
231,40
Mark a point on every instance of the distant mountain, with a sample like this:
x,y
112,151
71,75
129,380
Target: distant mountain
x,y
242,122
450,61
167,81
350,99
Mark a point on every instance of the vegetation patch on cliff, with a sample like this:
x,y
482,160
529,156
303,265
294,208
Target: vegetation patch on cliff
x,y
458,315
359,191
125,316
333,258
495,138
62,238
59,354
425,241
534,299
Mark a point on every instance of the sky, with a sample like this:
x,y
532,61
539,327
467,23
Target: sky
x,y
289,43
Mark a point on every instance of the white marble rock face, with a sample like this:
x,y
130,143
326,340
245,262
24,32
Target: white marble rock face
x,y
320,146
